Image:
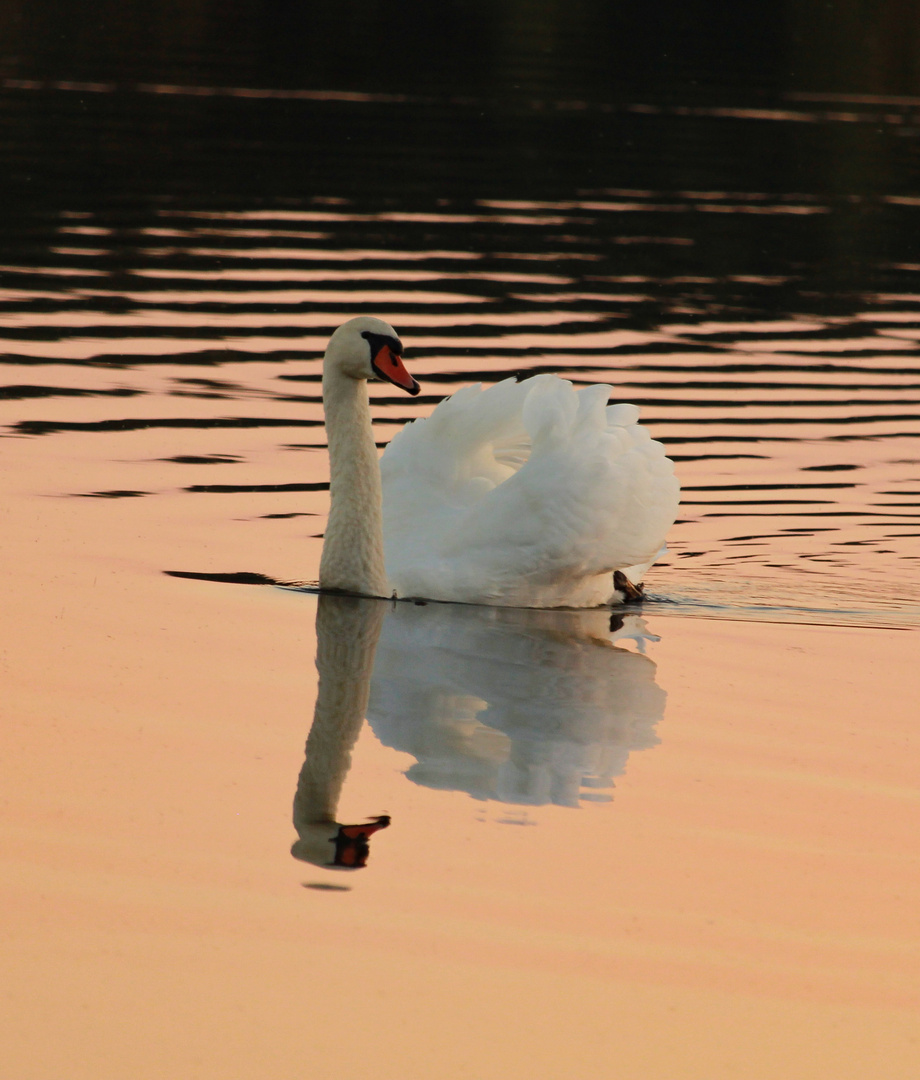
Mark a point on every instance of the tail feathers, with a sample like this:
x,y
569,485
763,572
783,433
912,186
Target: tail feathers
x,y
592,404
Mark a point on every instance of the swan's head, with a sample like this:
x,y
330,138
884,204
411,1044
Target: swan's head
x,y
366,348
336,847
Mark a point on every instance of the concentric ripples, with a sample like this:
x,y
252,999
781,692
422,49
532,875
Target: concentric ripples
x,y
789,401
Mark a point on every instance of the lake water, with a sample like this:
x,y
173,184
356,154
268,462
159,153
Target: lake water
x,y
681,843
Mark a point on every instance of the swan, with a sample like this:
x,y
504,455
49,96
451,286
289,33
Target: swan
x,y
527,494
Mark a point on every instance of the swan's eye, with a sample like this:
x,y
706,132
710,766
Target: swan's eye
x,y
378,341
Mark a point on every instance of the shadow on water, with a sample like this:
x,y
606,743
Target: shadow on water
x,y
731,602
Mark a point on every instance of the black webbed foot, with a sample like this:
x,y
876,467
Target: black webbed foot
x,y
632,594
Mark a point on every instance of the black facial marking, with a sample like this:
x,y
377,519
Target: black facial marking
x,y
377,342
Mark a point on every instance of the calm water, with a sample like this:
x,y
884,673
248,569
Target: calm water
x,y
726,808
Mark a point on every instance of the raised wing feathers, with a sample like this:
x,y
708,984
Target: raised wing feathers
x,y
527,493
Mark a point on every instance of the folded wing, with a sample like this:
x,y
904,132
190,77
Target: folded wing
x,y
528,493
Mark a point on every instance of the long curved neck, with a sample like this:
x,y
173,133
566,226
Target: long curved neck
x,y
352,556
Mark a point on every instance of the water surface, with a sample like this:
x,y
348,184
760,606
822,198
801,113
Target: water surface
x,y
682,841
767,329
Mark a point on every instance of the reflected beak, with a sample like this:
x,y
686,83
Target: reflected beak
x,y
352,842
388,365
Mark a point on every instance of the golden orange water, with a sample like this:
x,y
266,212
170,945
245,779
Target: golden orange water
x,y
699,863
747,905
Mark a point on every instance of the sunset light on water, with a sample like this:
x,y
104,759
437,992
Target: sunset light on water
x,y
675,842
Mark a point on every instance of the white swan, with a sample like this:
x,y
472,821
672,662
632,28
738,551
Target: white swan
x,y
530,494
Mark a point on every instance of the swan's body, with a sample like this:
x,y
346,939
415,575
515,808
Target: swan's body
x,y
529,494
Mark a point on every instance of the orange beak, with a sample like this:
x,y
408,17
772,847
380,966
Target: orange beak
x,y
388,365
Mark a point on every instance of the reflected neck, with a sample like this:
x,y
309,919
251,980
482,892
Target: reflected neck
x,y
347,631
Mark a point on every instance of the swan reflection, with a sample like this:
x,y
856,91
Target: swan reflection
x,y
515,705
347,629
520,706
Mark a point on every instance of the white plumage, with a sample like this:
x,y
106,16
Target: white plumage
x,y
529,494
